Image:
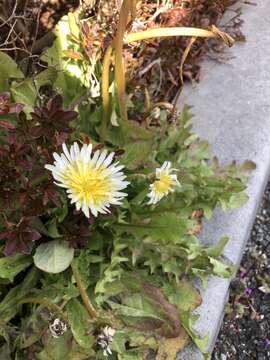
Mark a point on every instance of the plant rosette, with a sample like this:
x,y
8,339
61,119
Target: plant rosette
x,y
99,225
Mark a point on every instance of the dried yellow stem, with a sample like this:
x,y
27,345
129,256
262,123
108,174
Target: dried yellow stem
x,y
119,65
126,9
179,31
105,83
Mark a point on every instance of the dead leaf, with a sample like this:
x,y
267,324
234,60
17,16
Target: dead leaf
x,y
170,347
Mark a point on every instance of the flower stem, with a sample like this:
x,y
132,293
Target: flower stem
x,y
85,298
48,304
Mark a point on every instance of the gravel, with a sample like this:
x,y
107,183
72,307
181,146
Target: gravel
x,y
245,333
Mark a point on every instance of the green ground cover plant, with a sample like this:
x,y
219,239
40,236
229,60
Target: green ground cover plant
x,y
100,213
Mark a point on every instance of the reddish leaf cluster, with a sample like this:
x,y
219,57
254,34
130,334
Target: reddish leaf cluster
x,y
52,118
26,190
6,107
19,236
75,230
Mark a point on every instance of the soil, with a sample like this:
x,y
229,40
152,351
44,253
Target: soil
x,y
245,333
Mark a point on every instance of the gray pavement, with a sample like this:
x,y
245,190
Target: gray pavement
x,y
232,111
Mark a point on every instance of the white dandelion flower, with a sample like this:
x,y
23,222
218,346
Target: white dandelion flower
x,y
164,183
105,338
57,328
91,179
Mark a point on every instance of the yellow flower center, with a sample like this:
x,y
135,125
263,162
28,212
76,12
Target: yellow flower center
x,y
88,182
163,184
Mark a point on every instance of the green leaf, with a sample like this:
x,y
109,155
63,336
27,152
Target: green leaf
x,y
8,69
78,320
168,226
54,256
187,321
39,226
73,25
221,269
26,91
137,132
136,154
119,340
32,328
136,307
110,275
10,305
131,355
12,265
237,200
56,348
217,249
5,353
53,229
184,295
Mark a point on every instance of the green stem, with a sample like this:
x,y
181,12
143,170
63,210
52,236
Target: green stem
x,y
47,303
85,298
39,180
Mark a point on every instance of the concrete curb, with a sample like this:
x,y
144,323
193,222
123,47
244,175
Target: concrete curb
x,y
232,111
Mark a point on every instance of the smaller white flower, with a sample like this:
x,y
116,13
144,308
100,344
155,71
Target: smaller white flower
x,y
57,328
105,338
164,183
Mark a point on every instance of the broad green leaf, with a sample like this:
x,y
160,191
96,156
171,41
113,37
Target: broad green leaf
x,y
119,340
12,265
184,295
136,309
26,91
78,320
133,131
136,154
131,355
202,275
217,249
167,226
187,321
73,25
54,256
32,328
53,229
10,305
237,200
5,353
39,226
110,275
221,269
8,69
56,348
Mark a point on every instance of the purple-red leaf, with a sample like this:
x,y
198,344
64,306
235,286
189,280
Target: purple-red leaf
x,y
7,125
55,103
19,237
